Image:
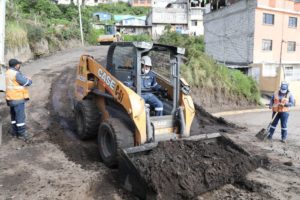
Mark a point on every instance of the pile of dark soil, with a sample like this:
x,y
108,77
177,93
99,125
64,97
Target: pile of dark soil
x,y
205,123
185,169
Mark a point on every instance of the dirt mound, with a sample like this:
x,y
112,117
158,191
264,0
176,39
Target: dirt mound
x,y
205,123
185,169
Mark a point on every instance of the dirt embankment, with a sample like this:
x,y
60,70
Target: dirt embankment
x,y
217,100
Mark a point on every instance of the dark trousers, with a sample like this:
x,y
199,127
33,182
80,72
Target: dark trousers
x,y
17,113
154,102
283,117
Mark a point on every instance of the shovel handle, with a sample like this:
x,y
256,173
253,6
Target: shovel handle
x,y
274,117
268,128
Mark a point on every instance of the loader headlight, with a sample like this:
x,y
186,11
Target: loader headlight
x,y
143,45
180,50
186,90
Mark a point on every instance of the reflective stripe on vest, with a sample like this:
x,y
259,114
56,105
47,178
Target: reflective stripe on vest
x,y
14,91
276,107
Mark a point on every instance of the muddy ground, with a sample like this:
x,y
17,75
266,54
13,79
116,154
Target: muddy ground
x,y
57,165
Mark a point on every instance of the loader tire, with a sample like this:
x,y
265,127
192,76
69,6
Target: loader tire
x,y
87,119
113,136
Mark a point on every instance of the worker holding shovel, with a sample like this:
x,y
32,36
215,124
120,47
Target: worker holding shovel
x,y
280,104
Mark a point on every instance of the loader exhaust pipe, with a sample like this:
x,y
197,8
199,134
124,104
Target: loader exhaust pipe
x,y
182,132
149,130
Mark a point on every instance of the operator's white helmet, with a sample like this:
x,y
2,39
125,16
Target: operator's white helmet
x,y
146,60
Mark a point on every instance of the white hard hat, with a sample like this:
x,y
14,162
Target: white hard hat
x,y
146,60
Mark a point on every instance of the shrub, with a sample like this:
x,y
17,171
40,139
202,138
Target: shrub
x,y
93,35
34,32
141,37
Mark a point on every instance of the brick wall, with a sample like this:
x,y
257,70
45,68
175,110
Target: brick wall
x,y
229,33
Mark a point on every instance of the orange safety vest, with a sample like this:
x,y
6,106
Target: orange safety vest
x,y
276,105
14,91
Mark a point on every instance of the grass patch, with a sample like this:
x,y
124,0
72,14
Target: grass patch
x,y
35,32
141,37
15,35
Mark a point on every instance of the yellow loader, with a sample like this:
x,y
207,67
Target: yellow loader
x,y
116,113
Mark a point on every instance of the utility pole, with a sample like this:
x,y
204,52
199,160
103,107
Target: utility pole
x,y
80,22
280,60
2,30
2,40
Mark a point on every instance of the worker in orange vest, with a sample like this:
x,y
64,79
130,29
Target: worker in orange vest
x,y
16,96
280,104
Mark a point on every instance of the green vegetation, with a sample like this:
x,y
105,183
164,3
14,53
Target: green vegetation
x,y
200,70
15,35
93,35
120,8
141,37
37,19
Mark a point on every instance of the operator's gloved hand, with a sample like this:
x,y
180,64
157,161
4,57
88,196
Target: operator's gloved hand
x,y
164,92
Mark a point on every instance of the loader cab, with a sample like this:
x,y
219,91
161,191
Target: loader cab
x,y
124,62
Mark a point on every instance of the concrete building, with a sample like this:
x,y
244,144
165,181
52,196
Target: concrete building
x,y
132,25
140,3
184,16
260,36
102,16
195,14
134,21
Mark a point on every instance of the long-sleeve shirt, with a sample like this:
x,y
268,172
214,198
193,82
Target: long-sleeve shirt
x,y
21,79
149,82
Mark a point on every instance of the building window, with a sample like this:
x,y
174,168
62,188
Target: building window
x,y
268,19
269,70
292,72
194,23
267,45
293,22
291,46
288,71
149,1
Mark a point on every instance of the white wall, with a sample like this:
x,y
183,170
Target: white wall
x,y
169,15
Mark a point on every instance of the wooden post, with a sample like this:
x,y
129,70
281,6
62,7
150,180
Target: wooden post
x,y
0,132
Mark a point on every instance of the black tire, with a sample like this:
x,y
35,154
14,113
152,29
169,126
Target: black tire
x,y
113,136
87,119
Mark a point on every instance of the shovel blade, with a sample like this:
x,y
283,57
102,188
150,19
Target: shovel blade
x,y
262,134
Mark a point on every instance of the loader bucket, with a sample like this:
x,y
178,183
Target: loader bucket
x,y
134,178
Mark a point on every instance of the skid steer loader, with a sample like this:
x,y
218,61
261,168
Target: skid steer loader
x,y
106,107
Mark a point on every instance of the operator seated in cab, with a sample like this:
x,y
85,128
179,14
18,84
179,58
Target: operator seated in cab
x,y
149,85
